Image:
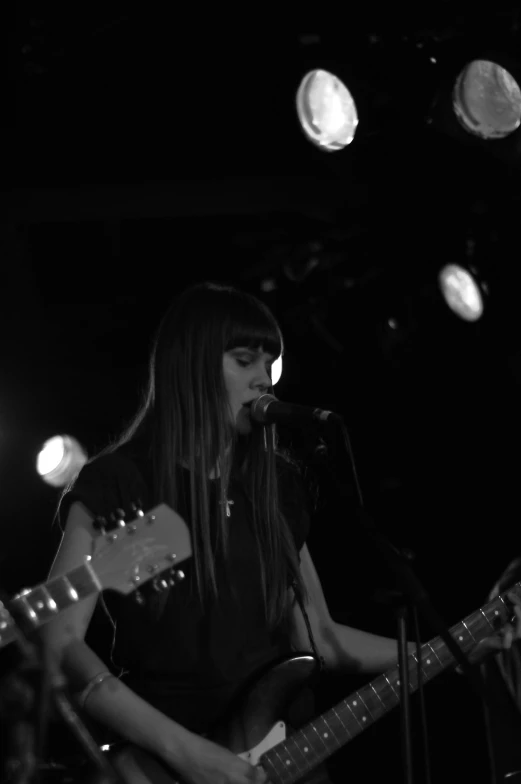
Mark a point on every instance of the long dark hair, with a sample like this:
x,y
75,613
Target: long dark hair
x,y
184,419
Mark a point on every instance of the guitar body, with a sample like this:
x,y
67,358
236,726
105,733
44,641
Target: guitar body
x,y
254,726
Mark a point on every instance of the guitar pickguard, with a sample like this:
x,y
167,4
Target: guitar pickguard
x,y
276,735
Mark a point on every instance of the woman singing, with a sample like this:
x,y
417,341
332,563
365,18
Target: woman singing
x,y
180,660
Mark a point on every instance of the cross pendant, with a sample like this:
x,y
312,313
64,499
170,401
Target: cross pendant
x,y
228,510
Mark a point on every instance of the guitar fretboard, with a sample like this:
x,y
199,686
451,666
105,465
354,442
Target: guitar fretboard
x,y
39,605
299,754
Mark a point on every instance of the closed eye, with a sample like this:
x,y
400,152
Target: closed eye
x,y
248,362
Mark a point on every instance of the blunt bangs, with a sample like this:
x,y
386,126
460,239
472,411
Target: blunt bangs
x,y
252,327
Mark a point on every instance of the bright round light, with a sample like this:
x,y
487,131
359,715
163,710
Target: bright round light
x,y
276,370
487,100
326,110
59,460
461,292
50,455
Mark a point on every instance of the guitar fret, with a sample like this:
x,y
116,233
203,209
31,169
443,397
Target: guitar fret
x,y
73,586
354,715
504,603
461,637
435,654
296,752
283,772
364,718
338,740
413,671
310,747
267,762
92,574
319,737
392,689
373,688
72,593
291,761
30,612
385,694
468,630
49,601
41,603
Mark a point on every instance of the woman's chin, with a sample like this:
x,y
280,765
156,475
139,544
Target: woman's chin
x,y
243,422
242,426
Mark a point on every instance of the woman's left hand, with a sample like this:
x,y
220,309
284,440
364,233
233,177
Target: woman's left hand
x,y
504,638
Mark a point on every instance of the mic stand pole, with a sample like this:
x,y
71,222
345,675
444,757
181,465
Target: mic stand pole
x,y
402,611
412,590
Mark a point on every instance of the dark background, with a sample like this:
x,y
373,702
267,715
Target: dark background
x,y
147,150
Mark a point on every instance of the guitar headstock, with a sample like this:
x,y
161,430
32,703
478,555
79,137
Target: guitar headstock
x,y
143,549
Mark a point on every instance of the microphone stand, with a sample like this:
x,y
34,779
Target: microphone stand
x,y
30,694
410,587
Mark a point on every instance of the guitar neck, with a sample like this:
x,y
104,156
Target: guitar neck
x,y
301,752
40,604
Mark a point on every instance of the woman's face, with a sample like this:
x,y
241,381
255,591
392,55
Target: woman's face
x,y
247,375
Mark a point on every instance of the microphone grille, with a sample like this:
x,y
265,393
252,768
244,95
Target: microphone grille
x,y
259,406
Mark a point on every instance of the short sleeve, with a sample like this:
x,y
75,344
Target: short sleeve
x,y
105,484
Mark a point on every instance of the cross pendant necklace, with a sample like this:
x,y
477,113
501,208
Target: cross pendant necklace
x,y
228,503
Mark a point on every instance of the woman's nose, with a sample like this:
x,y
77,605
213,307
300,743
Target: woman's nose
x,y
262,379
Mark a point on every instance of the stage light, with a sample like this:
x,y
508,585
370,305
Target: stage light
x,y
487,100
59,460
276,370
326,110
461,292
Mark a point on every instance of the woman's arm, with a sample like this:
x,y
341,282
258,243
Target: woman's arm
x,y
343,648
111,703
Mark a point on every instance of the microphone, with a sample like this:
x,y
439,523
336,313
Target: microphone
x,y
267,410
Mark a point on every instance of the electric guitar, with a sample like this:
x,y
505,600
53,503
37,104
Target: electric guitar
x,y
257,733
123,560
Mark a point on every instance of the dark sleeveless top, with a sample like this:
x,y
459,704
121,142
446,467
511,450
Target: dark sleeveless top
x,y
188,663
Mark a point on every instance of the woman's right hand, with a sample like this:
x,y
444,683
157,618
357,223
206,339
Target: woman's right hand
x,y
199,761
208,763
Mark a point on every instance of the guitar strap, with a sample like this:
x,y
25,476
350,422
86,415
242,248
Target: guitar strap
x,y
320,659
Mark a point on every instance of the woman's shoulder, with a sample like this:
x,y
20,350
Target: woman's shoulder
x,y
109,480
117,465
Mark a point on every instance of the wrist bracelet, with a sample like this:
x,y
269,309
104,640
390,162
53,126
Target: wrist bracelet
x,y
91,685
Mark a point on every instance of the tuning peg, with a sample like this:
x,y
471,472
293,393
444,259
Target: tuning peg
x,y
100,524
137,508
160,584
117,518
176,575
138,596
